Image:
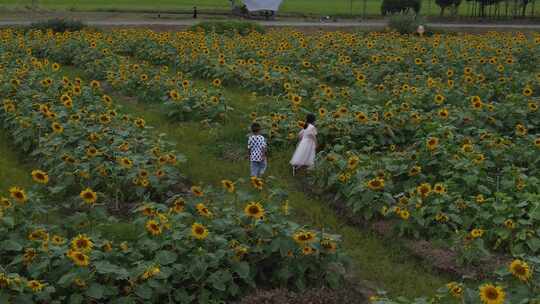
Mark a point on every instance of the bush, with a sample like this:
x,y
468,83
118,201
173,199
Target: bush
x,y
405,24
400,6
58,25
228,27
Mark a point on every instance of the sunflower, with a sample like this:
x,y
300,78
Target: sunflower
x,y
107,246
439,188
415,170
257,183
467,148
439,99
491,294
66,101
40,177
424,190
520,270
303,237
322,112
537,142
254,210
35,285
476,233
443,113
203,210
228,185
82,243
105,119
404,214
88,196
361,78
361,117
57,128
480,199
432,143
197,191
533,107
527,91
126,163
476,103
140,123
79,258
150,272
95,84
455,289
57,240
18,194
521,130
153,227
329,245
308,250
178,205
174,95
92,152
352,162
199,231
376,184
29,255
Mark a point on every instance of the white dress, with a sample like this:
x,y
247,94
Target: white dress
x,y
304,155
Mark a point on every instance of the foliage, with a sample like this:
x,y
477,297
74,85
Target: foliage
x,y
518,282
228,27
453,4
400,6
58,25
404,24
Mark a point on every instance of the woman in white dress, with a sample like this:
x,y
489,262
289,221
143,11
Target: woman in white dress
x,y
304,155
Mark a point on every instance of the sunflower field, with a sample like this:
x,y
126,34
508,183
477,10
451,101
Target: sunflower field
x,y
436,136
99,168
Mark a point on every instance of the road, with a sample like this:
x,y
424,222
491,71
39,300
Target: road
x,y
360,24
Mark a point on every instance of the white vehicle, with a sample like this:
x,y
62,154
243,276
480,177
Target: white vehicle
x,y
262,5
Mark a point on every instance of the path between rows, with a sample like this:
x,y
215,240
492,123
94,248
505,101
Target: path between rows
x,y
360,24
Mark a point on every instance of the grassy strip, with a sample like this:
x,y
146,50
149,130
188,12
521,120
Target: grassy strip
x,y
13,170
300,7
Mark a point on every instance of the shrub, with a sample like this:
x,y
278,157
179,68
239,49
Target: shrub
x,y
404,24
228,27
58,25
400,6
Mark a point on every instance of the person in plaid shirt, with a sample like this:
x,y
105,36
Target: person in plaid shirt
x,y
257,151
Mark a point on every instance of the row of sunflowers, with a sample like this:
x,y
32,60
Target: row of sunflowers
x,y
181,98
202,246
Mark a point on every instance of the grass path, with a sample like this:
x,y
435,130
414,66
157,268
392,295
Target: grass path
x,y
13,170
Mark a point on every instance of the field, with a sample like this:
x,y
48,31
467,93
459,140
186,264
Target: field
x,y
124,175
297,7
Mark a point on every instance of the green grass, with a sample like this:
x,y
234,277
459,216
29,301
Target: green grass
x,y
317,7
14,171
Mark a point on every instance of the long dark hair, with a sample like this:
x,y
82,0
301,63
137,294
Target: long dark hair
x,y
310,119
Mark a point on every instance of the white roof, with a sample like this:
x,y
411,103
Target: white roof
x,y
259,5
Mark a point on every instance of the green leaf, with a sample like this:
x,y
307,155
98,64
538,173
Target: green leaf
x,y
67,279
166,257
10,245
76,299
534,244
144,292
95,291
242,269
104,267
